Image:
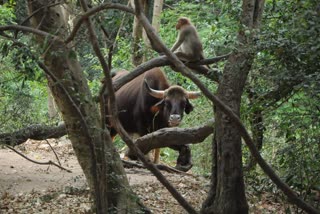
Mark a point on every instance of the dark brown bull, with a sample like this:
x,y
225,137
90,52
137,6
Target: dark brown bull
x,y
148,103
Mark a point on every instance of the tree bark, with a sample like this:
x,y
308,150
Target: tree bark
x,y
137,53
172,137
35,132
227,192
94,148
153,11
52,110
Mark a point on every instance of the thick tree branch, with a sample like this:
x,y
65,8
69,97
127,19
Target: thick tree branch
x,y
159,139
174,136
163,61
100,196
35,132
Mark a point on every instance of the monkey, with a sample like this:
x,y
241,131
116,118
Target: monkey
x,y
188,46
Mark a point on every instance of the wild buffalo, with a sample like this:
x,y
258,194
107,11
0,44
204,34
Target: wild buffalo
x,y
148,103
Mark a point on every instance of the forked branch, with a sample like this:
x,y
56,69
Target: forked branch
x,y
38,162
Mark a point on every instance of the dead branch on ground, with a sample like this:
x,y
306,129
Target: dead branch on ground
x,y
37,162
55,154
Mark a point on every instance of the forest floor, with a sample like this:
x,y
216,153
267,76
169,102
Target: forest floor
x,y
26,187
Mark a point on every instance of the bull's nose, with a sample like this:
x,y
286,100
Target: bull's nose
x,y
175,118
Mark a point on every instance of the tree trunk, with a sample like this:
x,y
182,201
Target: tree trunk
x,y
227,192
153,12
153,9
137,54
52,109
94,148
230,192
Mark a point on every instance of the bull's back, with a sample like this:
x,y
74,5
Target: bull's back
x,y
156,79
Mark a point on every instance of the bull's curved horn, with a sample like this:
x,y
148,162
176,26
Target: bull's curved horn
x,y
155,93
193,94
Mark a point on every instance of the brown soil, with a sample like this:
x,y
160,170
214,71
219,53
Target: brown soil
x,y
26,187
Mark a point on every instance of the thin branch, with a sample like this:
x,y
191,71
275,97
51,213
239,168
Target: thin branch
x,y
29,30
37,162
209,61
93,11
53,152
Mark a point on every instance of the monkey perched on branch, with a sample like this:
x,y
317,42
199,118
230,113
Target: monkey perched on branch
x,y
188,46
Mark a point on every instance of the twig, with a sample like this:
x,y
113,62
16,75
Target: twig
x,y
29,30
54,152
37,162
93,11
166,168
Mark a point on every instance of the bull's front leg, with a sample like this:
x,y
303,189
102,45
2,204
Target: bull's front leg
x,y
184,161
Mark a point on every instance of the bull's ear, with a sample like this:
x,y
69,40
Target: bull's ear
x,y
155,108
189,107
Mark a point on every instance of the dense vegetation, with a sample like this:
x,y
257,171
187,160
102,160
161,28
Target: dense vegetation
x,y
283,87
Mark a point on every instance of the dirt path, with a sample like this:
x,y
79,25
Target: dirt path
x,y
19,175
26,187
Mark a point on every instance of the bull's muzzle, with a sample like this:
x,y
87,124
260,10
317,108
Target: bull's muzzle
x,y
174,120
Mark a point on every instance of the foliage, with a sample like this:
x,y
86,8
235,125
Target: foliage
x,y
23,101
23,90
6,14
